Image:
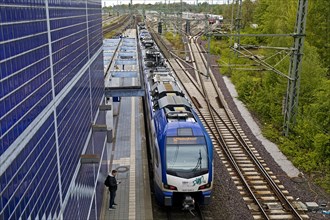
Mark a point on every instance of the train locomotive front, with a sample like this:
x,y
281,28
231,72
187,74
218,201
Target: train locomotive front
x,y
186,164
181,149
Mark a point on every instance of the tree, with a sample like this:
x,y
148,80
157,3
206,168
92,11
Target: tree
x,y
318,28
248,8
309,144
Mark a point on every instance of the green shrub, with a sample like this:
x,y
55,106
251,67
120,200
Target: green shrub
x,y
263,92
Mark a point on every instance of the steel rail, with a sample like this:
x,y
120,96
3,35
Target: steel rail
x,y
115,26
223,144
217,134
261,168
243,143
276,190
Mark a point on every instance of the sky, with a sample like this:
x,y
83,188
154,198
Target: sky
x,y
116,2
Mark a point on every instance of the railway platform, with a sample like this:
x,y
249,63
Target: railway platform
x,y
127,152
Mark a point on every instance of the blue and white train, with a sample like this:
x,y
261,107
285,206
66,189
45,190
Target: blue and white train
x,y
180,148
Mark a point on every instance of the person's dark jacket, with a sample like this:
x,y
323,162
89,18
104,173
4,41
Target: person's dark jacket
x,y
112,183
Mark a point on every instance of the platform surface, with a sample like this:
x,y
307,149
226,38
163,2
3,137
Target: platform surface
x,y
127,153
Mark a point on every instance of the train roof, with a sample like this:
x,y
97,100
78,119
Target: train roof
x,y
169,87
152,51
161,70
166,94
173,101
175,128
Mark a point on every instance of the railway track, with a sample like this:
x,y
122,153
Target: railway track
x,y
117,25
106,19
176,213
261,190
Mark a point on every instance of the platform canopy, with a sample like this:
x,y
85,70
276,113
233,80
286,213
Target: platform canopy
x,y
123,78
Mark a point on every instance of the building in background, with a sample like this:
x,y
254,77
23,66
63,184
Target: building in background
x,y
51,86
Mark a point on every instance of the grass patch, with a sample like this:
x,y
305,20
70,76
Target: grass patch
x,y
176,41
106,25
110,34
308,145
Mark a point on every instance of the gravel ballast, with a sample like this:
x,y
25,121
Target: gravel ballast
x,y
300,188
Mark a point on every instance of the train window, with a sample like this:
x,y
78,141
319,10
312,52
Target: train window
x,y
186,156
156,156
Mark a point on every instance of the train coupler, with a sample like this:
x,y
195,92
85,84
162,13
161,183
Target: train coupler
x,y
188,203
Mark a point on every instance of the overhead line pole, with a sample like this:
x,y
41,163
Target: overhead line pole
x,y
165,20
131,12
292,94
238,22
181,11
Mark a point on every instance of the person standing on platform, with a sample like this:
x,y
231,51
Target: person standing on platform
x,y
112,183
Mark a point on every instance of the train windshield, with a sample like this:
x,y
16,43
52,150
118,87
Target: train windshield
x,y
186,156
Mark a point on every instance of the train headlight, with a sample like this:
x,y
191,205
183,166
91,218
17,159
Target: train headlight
x,y
204,186
170,187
